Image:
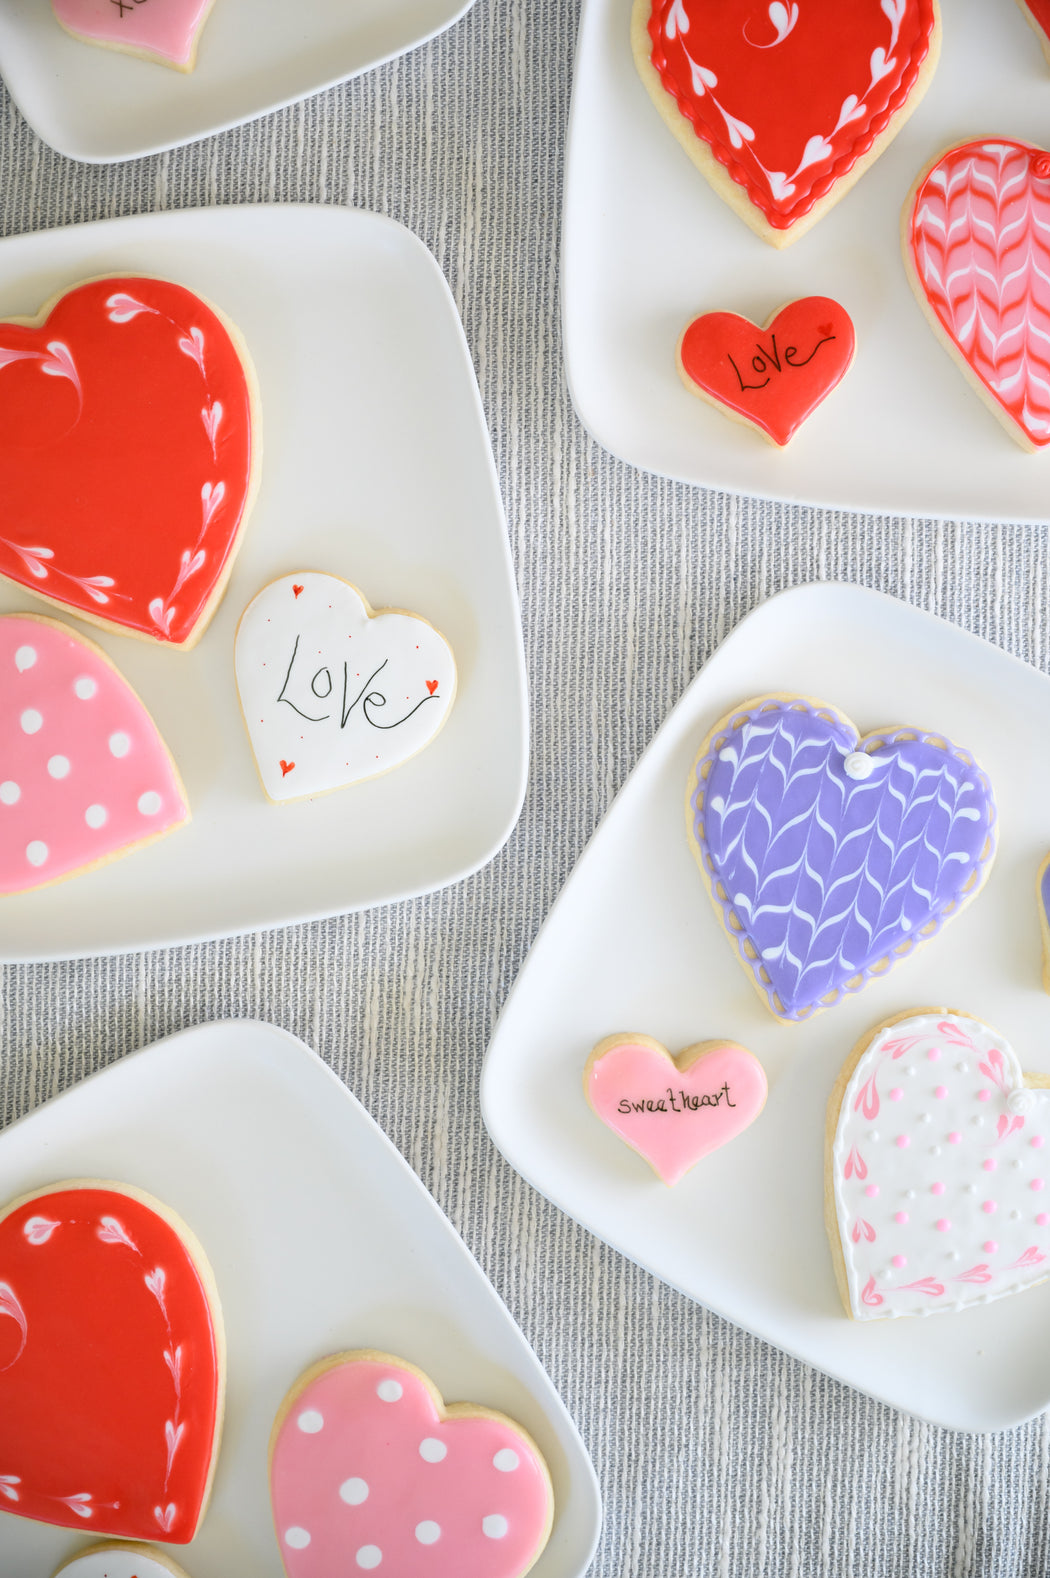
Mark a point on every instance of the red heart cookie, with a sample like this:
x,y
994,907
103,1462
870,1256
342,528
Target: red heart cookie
x,y
127,457
783,106
111,1364
773,377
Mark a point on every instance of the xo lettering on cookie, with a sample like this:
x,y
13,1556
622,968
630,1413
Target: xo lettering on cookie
x,y
166,31
112,1366
936,1191
783,106
830,856
370,1469
332,692
771,378
673,1110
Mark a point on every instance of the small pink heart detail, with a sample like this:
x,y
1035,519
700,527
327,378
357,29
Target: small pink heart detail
x,y
369,1469
674,1110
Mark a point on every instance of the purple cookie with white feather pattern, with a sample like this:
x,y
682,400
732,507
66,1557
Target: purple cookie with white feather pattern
x,y
829,857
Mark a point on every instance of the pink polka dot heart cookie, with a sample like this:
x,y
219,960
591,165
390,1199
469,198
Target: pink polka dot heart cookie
x,y
84,774
938,1165
369,1469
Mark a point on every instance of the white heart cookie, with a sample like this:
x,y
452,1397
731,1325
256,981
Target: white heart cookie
x,y
938,1156
332,692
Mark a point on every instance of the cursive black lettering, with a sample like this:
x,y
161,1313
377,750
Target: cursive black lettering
x,y
743,386
792,352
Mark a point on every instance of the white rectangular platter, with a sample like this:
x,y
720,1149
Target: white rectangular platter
x,y
647,246
376,468
338,1246
633,945
255,56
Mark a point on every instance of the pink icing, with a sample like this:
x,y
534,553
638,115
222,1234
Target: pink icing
x,y
671,1116
367,1474
165,28
84,775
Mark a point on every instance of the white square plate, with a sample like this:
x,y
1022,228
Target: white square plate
x,y
647,246
376,467
333,1245
255,56
633,945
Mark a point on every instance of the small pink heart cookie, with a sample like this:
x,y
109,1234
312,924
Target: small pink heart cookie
x,y
84,774
674,1110
163,30
370,1469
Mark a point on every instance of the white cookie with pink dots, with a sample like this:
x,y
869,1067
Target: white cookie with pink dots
x,y
370,1470
938,1169
84,774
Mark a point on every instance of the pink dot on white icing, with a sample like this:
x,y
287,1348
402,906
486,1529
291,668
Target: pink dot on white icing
x,y
933,1054
901,1217
310,1421
84,687
353,1492
297,1538
943,1225
494,1526
896,1093
96,816
902,1141
10,793
58,766
432,1450
1042,1219
937,1188
953,1138
149,803
871,1191
506,1460
25,657
31,720
119,744
1037,1141
369,1556
36,852
389,1391
990,1246
989,1207
900,1260
941,1092
990,1164
1036,1184
984,1095
428,1531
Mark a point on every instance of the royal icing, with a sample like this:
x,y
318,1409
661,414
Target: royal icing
x,y
1038,14
368,1470
790,96
120,1561
830,857
110,1367
978,241
84,774
674,1110
126,456
774,377
333,693
165,30
939,1168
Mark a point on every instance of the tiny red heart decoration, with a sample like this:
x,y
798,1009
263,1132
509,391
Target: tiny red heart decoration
x,y
772,377
111,1365
297,590
127,459
286,767
432,685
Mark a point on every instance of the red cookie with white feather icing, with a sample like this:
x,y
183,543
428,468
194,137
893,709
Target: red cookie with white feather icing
x,y
783,107
129,455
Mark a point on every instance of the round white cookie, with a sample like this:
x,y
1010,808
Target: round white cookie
x,y
120,1561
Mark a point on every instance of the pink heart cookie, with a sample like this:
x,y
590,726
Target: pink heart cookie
x,y
369,1469
163,30
674,1110
84,774
937,1169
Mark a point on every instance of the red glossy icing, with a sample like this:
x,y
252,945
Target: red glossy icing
x,y
109,1368
789,96
125,454
774,377
1040,13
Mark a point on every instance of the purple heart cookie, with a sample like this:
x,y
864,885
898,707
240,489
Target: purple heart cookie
x,y
830,857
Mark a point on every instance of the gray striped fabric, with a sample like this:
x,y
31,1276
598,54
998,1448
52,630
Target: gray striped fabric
x,y
717,1455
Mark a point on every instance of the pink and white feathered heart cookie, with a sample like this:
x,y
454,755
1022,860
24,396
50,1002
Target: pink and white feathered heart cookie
x,y
674,1110
84,774
937,1169
163,30
369,1469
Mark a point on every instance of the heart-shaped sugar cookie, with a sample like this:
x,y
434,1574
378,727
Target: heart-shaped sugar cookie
x,y
937,1169
674,1110
829,857
369,1469
333,693
163,30
772,377
84,774
111,1364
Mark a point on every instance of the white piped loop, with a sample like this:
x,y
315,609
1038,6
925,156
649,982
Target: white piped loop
x,y
1024,1101
858,765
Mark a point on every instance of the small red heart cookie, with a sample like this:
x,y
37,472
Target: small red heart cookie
x,y
128,455
783,106
112,1364
772,377
1038,14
